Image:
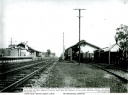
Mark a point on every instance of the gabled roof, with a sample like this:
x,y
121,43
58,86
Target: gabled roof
x,y
29,48
92,45
84,43
113,47
22,44
81,42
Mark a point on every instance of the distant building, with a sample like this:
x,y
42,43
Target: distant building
x,y
22,49
112,51
43,54
28,51
112,48
108,54
10,52
52,55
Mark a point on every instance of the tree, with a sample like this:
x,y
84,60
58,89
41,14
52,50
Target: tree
x,y
121,39
48,52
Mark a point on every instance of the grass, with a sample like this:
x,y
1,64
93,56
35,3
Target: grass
x,y
54,79
82,76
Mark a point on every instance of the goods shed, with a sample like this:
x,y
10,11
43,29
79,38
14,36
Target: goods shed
x,y
86,51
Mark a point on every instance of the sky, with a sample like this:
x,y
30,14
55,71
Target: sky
x,y
41,23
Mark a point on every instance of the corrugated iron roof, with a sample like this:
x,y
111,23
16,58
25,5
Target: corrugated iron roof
x,y
84,43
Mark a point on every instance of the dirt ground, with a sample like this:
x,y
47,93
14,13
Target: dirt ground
x,y
72,75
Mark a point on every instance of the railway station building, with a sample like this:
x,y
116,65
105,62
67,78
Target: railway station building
x,y
22,49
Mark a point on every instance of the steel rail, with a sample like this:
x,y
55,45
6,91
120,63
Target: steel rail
x,y
22,80
116,68
121,78
19,68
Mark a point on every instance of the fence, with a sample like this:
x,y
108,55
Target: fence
x,y
116,58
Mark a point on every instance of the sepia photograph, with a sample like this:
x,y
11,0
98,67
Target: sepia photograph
x,y
71,47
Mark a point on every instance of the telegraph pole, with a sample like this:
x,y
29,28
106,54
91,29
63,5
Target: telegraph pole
x,y
11,41
63,45
79,30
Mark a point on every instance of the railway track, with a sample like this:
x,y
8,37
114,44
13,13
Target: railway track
x,y
21,67
117,72
8,66
11,79
112,66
